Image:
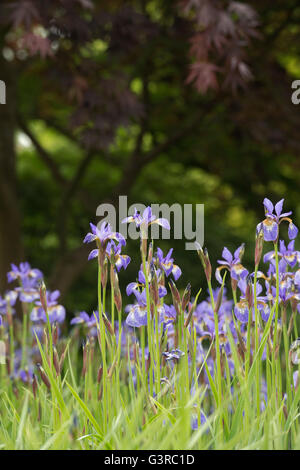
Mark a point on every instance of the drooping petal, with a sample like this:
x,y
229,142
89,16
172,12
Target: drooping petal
x,y
268,256
238,272
264,310
131,287
93,254
59,314
270,229
141,277
36,314
291,259
292,231
218,274
122,261
162,292
163,222
241,311
176,271
297,278
119,237
137,317
76,321
90,237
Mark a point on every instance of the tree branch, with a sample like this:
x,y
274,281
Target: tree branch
x,y
44,155
71,264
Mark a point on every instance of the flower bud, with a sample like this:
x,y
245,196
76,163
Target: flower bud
x,y
99,374
175,296
204,258
117,293
104,275
186,297
34,385
259,247
249,293
150,252
55,334
143,247
56,361
108,324
192,308
43,295
44,376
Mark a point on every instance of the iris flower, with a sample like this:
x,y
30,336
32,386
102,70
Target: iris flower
x,y
270,225
56,312
29,291
102,236
241,309
288,254
174,354
233,264
167,264
113,252
24,271
137,313
84,318
144,221
8,300
141,282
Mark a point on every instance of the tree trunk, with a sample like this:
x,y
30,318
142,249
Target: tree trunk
x,y
10,227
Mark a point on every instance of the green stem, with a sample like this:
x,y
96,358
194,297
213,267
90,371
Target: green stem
x,y
257,365
103,347
149,323
218,355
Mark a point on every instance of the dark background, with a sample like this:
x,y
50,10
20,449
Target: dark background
x,y
162,101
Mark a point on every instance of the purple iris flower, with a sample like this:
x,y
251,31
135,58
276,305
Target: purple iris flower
x,y
28,293
233,264
195,421
24,271
56,312
113,252
141,283
170,314
287,253
137,313
167,264
297,278
241,309
26,375
285,289
8,300
132,286
144,221
270,225
102,236
84,318
174,354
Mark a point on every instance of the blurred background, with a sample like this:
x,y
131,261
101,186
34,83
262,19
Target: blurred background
x,y
166,101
